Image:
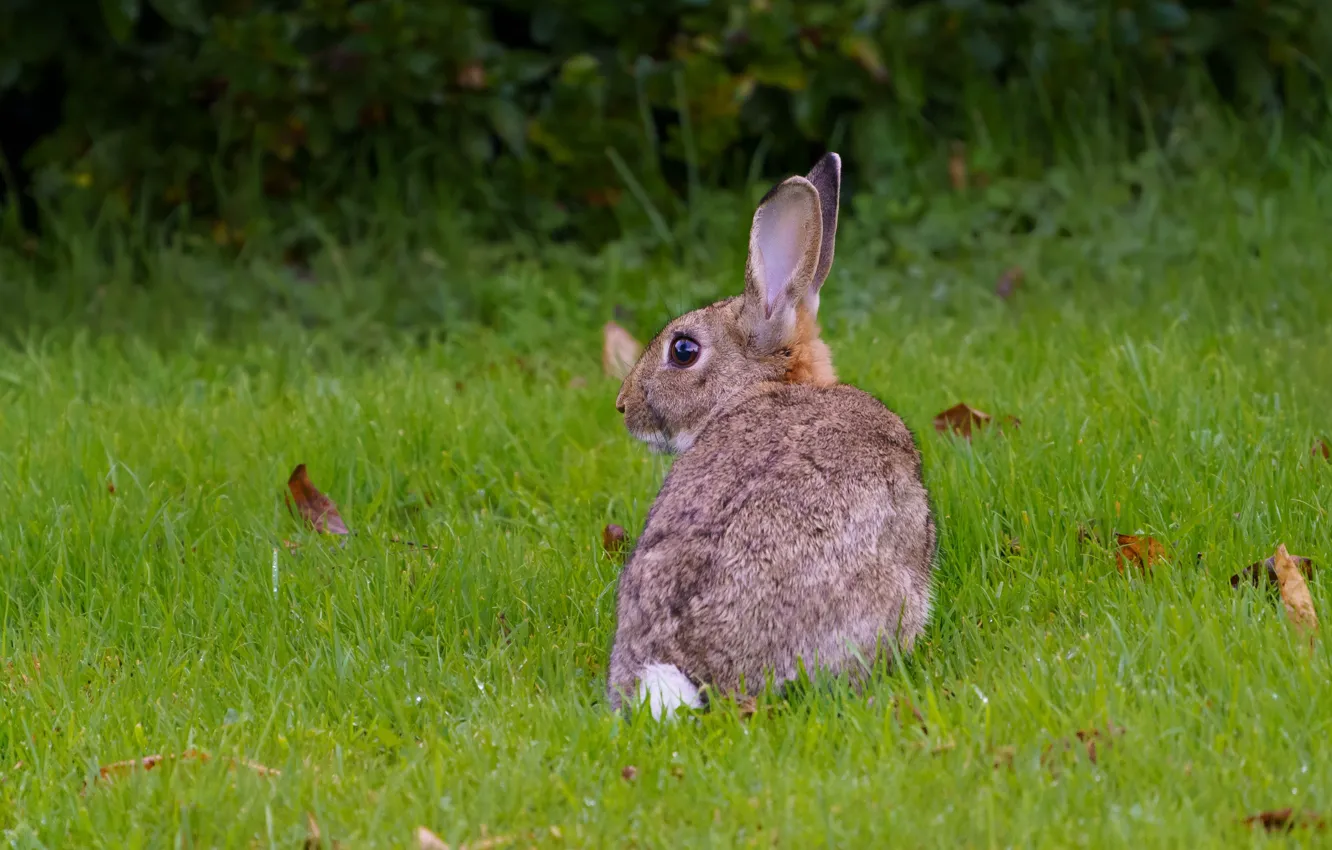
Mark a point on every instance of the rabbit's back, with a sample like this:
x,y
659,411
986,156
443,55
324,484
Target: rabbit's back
x,y
796,526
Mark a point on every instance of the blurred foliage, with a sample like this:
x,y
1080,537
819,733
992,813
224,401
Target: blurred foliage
x,y
583,117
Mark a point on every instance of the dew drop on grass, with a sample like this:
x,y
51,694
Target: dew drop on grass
x,y
275,572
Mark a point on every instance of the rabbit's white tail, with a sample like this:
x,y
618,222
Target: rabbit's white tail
x,y
666,689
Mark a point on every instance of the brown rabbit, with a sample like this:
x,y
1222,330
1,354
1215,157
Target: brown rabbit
x,y
794,526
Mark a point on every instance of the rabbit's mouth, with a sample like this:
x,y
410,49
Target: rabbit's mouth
x,y
657,441
668,444
647,424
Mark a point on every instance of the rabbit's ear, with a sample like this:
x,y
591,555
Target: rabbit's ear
x,y
783,249
826,177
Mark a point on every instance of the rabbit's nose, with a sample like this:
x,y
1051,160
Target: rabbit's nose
x,y
619,403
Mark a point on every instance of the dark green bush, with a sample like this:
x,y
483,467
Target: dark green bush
x,y
570,115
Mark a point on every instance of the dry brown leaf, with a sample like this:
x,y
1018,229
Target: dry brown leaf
x,y
1003,756
961,419
629,774
1295,592
119,769
1142,551
957,167
1088,738
472,76
1285,820
1321,447
1261,571
314,836
1009,282
317,509
111,488
619,351
427,840
613,541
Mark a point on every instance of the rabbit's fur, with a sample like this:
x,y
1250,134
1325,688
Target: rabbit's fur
x,y
794,526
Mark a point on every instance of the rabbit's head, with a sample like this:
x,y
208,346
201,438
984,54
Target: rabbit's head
x,y
706,358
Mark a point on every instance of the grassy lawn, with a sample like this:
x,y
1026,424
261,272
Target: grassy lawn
x,y
1168,353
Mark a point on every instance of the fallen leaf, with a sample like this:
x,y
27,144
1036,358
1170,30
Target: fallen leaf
x,y
1008,282
957,166
110,488
619,351
960,419
317,509
118,769
1088,738
1257,572
314,836
472,76
1321,447
1295,592
427,840
1284,820
613,541
629,774
1143,551
1003,756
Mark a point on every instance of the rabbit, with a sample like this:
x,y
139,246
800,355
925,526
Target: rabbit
x,y
794,526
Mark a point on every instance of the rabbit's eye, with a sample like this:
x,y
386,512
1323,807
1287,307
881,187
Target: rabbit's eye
x,y
684,351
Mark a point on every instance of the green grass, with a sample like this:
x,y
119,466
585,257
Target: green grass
x,y
1169,357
